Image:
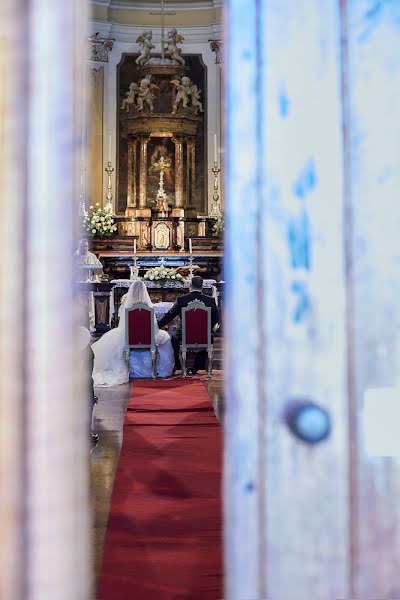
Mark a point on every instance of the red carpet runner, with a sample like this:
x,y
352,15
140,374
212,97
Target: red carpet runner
x,y
164,535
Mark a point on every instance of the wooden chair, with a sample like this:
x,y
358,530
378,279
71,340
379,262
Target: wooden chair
x,y
139,331
196,333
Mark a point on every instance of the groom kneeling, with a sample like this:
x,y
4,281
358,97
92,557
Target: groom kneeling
x,y
196,293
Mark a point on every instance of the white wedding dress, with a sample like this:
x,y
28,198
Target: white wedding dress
x,y
110,366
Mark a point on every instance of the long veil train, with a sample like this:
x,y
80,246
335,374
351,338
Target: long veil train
x,y
110,367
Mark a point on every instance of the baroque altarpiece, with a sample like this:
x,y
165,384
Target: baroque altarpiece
x,y
161,172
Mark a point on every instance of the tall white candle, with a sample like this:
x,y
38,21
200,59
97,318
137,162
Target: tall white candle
x,y
109,148
215,147
134,246
190,245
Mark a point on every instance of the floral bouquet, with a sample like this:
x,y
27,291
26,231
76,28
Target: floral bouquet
x,y
99,223
162,275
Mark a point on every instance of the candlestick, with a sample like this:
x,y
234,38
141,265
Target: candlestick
x,y
216,207
82,204
109,207
190,245
190,277
134,270
109,148
134,246
215,147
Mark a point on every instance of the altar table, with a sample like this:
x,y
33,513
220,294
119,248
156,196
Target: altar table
x,y
158,294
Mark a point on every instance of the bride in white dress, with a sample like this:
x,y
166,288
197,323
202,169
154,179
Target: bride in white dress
x,y
110,366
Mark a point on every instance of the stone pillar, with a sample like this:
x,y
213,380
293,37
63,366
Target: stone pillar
x,y
178,172
143,173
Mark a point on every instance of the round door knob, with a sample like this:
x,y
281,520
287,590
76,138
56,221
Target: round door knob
x,y
308,422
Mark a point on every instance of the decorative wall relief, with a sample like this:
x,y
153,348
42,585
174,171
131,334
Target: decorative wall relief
x,y
99,48
216,46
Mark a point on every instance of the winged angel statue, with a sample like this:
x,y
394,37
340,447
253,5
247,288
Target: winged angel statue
x,y
146,46
186,90
174,38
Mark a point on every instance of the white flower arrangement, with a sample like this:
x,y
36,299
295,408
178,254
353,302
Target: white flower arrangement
x,y
99,222
163,274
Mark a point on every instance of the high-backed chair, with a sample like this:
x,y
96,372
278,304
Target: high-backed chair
x,y
196,332
139,331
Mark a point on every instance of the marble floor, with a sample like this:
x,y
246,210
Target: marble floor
x,y
108,423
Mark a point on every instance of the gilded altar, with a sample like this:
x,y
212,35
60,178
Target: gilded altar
x,y
161,119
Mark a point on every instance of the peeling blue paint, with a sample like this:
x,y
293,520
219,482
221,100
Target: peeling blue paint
x,y
283,103
298,236
306,181
372,18
303,305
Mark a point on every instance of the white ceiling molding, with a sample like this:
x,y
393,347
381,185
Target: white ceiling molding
x,y
155,6
127,33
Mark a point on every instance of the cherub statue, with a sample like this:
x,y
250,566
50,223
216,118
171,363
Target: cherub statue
x,y
173,38
146,46
146,94
198,107
183,92
130,96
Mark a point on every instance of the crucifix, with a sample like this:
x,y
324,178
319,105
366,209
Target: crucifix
x,y
161,199
163,12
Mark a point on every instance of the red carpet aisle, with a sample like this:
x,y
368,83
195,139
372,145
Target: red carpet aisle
x,y
164,535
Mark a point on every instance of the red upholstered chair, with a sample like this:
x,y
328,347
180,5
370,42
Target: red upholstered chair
x,y
139,331
196,332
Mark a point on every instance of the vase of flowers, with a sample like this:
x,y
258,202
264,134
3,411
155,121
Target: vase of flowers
x,y
99,223
163,275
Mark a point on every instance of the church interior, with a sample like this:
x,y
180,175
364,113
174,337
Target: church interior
x,y
151,198
199,271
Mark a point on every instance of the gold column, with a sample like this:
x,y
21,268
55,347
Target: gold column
x,y
143,173
131,176
178,172
187,186
135,144
192,198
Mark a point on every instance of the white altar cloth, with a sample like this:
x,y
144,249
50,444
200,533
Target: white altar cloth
x,y
125,283
207,283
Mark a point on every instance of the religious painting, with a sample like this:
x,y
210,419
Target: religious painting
x,y
158,148
162,236
127,73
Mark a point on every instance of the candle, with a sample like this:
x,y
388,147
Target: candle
x,y
215,147
134,246
190,245
109,148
